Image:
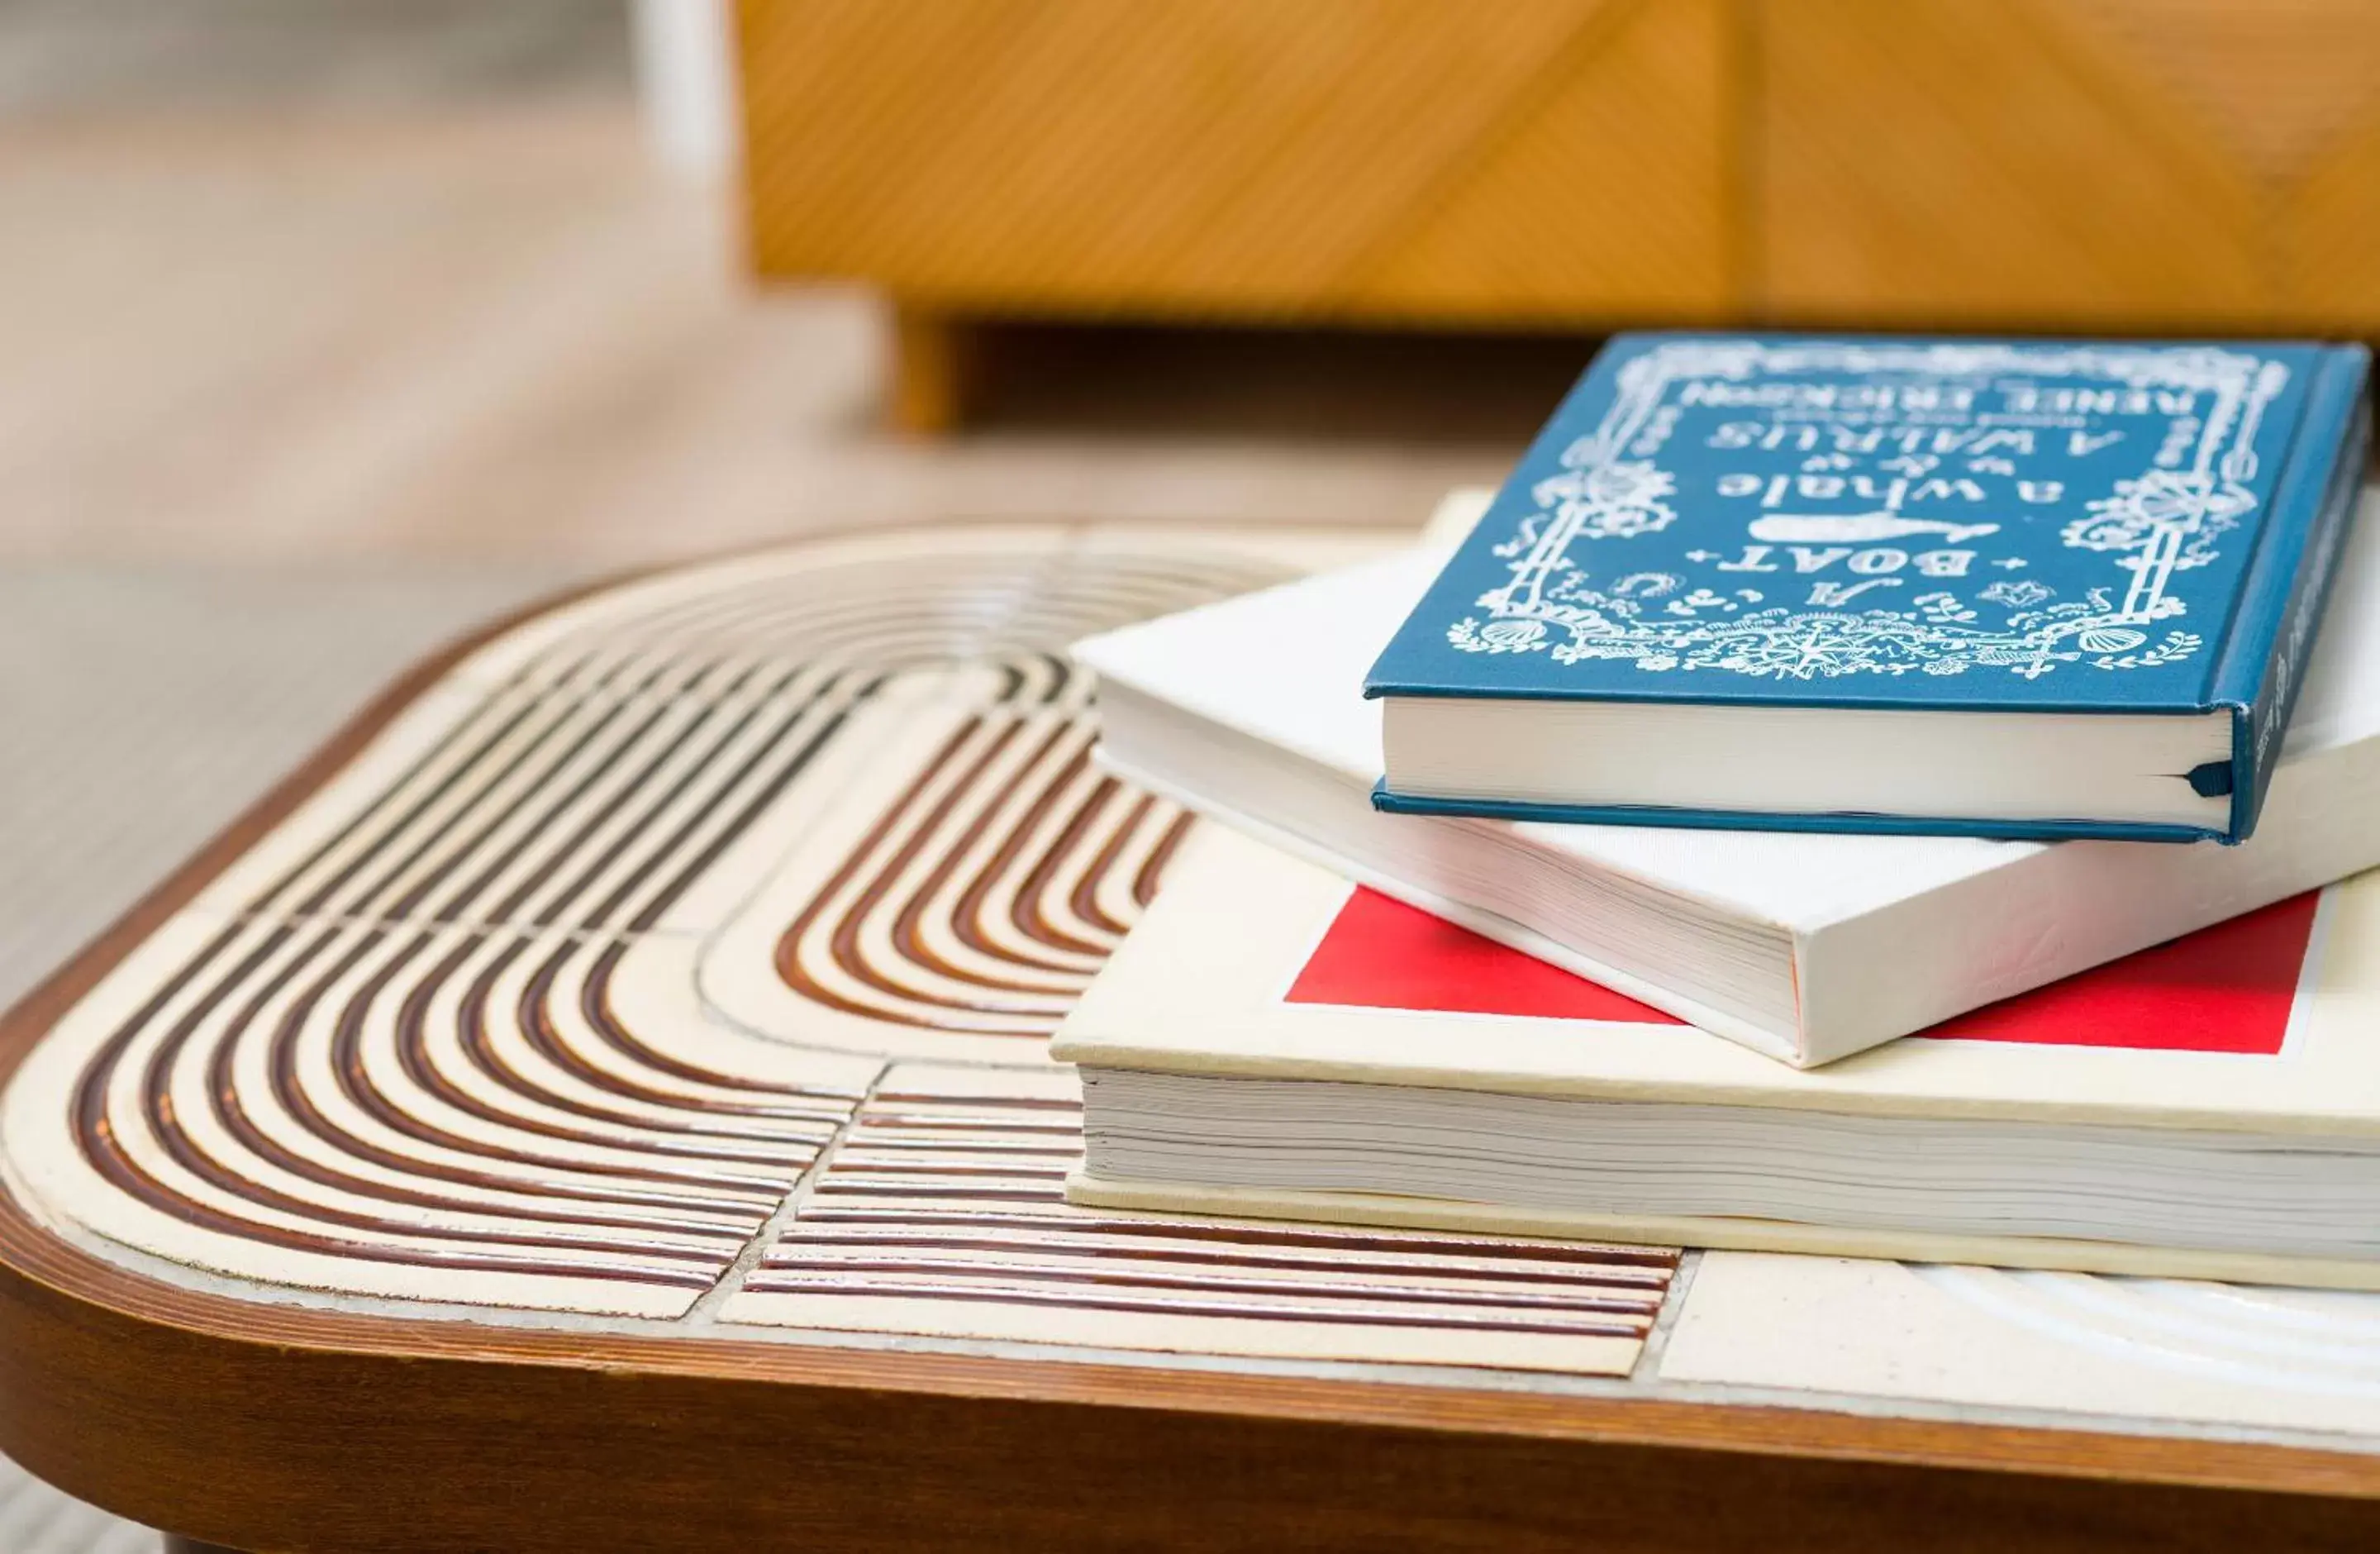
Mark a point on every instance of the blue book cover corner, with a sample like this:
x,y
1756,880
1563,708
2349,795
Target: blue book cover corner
x,y
1944,523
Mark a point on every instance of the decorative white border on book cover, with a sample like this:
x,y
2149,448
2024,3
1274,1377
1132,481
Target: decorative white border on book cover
x,y
2168,518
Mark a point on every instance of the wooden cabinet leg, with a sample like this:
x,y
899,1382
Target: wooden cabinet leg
x,y
933,361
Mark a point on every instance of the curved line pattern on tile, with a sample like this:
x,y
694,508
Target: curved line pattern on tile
x,y
402,1047
443,1034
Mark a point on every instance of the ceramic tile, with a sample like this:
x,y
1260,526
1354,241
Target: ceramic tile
x,y
416,1112
413,751
959,887
942,1214
776,599
558,997
2147,1349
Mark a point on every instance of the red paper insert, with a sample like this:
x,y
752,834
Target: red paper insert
x,y
2226,988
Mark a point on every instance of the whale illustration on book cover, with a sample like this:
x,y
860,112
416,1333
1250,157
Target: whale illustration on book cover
x,y
1898,525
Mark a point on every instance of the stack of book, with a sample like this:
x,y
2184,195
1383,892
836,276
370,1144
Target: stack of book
x,y
1886,796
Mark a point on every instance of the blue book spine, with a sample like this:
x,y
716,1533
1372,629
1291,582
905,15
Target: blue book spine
x,y
2289,585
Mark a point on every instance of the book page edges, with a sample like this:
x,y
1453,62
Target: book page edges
x,y
1915,962
1753,1235
2271,638
1081,1043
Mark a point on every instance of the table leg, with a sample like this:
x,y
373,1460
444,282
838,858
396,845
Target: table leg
x,y
933,370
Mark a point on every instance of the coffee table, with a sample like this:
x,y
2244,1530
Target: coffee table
x,y
600,1101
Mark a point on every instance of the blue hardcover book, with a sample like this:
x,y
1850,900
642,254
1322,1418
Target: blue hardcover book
x,y
2018,588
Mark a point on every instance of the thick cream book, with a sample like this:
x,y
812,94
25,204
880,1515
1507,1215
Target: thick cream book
x,y
1274,1040
1804,947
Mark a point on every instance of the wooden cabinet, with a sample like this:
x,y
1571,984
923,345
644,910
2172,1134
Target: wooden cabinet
x,y
1560,159
2069,164
2174,165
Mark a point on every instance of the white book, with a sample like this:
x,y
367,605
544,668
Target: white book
x,y
1272,1040
1805,947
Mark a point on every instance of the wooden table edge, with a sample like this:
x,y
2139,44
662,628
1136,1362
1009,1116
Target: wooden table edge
x,y
70,1322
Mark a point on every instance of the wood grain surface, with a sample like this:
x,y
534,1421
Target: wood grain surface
x,y
1563,160
2110,165
2117,165
271,1426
